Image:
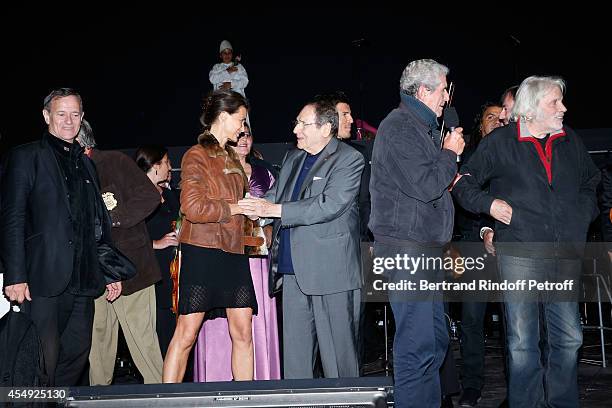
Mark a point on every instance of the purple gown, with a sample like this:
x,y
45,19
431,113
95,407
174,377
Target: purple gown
x,y
213,349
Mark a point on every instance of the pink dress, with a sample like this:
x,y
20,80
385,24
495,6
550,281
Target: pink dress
x,y
213,349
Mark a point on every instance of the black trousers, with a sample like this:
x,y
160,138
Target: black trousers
x,y
64,325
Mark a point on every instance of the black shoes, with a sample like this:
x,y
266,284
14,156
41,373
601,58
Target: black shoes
x,y
447,402
469,398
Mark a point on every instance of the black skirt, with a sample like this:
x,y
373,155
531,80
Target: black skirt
x,y
212,280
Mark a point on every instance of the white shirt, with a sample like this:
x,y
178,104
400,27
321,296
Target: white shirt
x,y
239,79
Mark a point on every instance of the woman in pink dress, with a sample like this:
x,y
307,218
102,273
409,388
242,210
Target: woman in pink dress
x,y
214,347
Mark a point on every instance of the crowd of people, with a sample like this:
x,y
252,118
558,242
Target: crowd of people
x,y
208,262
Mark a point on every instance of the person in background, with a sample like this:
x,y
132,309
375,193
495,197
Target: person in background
x,y
468,227
129,198
154,161
229,74
345,122
507,102
214,347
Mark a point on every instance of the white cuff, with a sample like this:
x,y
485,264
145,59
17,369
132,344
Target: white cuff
x,y
483,230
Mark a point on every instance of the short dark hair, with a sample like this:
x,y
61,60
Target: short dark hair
x,y
61,93
325,112
334,98
149,155
219,101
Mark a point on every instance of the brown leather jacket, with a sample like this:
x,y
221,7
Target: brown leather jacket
x,y
211,179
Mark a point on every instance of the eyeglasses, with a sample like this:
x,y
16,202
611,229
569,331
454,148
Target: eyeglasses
x,y
301,123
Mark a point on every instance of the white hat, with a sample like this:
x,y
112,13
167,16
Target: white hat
x,y
225,44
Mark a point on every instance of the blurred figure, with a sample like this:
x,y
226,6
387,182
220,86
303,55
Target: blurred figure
x,y
154,161
468,227
214,347
367,340
345,123
229,74
507,102
215,280
130,199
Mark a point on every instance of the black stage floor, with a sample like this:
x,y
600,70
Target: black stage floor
x,y
595,382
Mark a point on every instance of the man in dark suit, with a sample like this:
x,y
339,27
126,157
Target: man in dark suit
x,y
51,218
315,197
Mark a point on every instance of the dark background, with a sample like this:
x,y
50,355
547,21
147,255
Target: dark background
x,y
142,71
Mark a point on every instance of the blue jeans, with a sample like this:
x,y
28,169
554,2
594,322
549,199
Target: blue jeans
x,y
535,377
421,335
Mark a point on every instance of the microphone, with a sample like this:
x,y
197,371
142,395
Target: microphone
x,y
450,117
451,121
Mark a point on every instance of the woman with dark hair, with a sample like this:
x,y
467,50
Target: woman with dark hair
x,y
213,349
215,280
153,160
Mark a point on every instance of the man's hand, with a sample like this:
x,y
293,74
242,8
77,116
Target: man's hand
x,y
18,292
501,211
113,291
455,181
488,241
259,207
226,85
454,141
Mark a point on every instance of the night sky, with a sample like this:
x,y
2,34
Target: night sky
x,y
143,72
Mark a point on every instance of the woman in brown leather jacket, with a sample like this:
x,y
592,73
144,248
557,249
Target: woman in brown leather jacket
x,y
215,280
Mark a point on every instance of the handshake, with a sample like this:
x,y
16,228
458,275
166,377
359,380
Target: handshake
x,y
255,208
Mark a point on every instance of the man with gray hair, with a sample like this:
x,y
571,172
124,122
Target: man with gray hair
x,y
542,209
412,217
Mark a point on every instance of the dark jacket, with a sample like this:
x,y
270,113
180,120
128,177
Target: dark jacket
x,y
136,198
605,204
364,201
36,232
551,191
410,180
467,223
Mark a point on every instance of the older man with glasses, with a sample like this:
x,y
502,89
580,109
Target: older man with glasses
x,y
316,248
